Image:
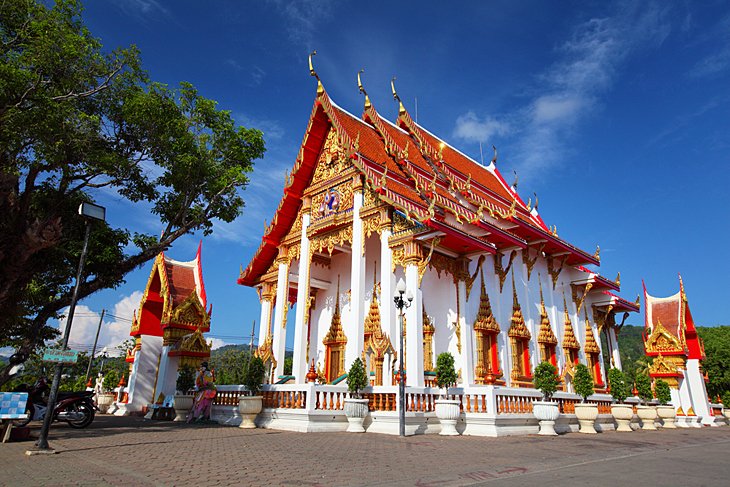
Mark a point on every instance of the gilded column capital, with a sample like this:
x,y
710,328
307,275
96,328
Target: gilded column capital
x,y
357,183
306,205
412,252
267,291
283,257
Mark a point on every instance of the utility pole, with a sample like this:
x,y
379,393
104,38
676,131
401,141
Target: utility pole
x,y
253,334
93,349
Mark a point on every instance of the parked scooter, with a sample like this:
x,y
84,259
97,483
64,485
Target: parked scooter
x,y
76,408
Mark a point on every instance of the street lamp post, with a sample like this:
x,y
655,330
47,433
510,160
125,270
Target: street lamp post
x,y
89,212
401,303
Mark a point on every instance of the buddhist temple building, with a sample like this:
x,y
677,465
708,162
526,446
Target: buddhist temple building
x,y
370,201
167,330
670,338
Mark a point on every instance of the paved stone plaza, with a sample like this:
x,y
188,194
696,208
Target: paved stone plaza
x,y
132,451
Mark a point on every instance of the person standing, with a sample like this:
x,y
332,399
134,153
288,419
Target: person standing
x,y
205,393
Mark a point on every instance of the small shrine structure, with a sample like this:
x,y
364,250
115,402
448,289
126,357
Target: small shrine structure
x,y
373,201
168,331
670,338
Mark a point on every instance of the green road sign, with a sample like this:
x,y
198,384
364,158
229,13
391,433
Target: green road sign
x,y
60,356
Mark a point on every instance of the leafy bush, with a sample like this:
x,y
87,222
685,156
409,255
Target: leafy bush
x,y
111,380
582,381
546,380
617,382
643,385
356,378
663,394
254,377
445,371
185,379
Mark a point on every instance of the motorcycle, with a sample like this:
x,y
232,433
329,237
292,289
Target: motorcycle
x,y
75,408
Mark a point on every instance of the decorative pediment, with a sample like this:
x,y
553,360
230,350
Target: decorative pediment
x,y
333,159
545,335
194,343
569,340
380,344
662,366
190,313
518,328
661,340
591,344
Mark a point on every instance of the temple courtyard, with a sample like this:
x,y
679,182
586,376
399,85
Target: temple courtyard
x,y
132,451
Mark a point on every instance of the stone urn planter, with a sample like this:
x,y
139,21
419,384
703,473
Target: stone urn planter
x,y
668,416
647,415
586,414
182,403
447,411
546,413
622,414
249,407
104,401
356,411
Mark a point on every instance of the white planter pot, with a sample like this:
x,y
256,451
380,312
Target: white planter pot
x,y
647,415
104,401
356,410
182,403
668,416
447,411
249,407
586,414
622,413
546,413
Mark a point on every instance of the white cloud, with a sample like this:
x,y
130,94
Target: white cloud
x,y
272,129
557,108
218,343
470,128
302,18
114,329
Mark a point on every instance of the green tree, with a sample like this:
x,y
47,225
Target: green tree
x,y
229,365
73,119
643,385
617,382
582,381
357,378
717,362
546,379
445,372
254,378
663,394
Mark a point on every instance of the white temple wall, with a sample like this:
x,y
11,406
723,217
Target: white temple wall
x,y
142,381
325,306
439,300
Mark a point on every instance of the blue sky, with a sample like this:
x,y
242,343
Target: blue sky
x,y
616,114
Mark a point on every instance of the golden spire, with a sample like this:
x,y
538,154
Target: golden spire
x,y
494,159
401,108
517,328
336,334
569,340
372,321
591,345
362,89
312,72
485,318
545,334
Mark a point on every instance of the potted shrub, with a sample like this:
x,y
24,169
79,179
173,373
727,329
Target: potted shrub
x,y
647,414
584,411
104,397
665,411
546,411
622,413
356,408
447,410
726,406
250,406
183,400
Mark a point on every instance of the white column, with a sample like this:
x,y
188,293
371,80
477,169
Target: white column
x,y
604,372
614,348
467,339
698,392
299,367
354,333
414,330
162,373
387,288
282,302
265,318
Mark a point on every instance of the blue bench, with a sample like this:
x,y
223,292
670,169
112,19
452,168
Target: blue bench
x,y
12,406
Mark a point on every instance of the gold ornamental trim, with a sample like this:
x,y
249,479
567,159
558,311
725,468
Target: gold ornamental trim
x,y
545,336
661,340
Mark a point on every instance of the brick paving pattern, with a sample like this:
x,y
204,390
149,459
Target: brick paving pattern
x,y
133,451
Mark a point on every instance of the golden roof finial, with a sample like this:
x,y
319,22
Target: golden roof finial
x,y
536,202
517,179
312,72
494,159
401,108
362,89
618,279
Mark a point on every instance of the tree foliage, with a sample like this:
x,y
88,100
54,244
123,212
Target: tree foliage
x,y
643,385
546,380
76,120
617,383
717,363
582,381
445,372
254,377
229,365
185,379
356,377
663,394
